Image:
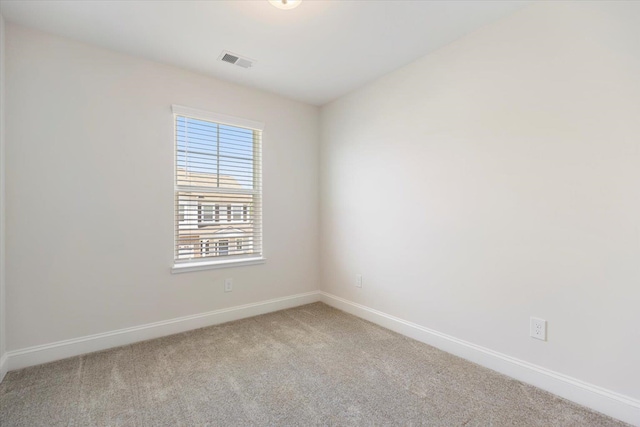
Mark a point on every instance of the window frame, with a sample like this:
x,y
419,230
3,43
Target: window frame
x,y
180,266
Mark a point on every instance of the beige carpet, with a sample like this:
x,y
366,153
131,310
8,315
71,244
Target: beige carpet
x,y
311,365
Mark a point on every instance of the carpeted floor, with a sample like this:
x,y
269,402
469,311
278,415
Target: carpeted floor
x,y
311,365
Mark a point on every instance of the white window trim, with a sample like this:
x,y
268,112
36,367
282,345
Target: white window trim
x,y
179,110
184,267
212,265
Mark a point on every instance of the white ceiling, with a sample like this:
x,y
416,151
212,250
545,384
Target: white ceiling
x,y
314,53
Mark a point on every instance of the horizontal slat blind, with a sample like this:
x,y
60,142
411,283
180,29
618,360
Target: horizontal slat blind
x,y
218,209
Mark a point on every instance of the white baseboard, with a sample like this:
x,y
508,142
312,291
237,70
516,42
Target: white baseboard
x,y
4,366
597,398
37,355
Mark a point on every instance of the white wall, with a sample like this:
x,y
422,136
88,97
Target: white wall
x,y
497,179
90,191
3,366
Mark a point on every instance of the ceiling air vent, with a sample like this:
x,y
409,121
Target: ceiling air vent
x,y
227,57
234,59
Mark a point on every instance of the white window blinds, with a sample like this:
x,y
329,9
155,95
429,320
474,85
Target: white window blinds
x,y
218,187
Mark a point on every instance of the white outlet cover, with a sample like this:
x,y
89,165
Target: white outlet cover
x,y
538,328
358,280
228,285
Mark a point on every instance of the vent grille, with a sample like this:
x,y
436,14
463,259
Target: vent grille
x,y
234,59
227,57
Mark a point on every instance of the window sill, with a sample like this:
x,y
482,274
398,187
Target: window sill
x,y
211,265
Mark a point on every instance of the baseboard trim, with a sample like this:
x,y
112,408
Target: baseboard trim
x,y
597,398
4,366
37,355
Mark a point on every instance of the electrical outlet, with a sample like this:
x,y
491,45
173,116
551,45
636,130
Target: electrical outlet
x,y
358,280
538,328
228,285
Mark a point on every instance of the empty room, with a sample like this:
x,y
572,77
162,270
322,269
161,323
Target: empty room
x,y
319,213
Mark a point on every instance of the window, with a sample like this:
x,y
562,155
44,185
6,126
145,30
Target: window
x,y
204,247
207,213
218,168
223,247
237,213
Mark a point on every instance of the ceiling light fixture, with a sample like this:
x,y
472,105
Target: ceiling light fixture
x,y
285,4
